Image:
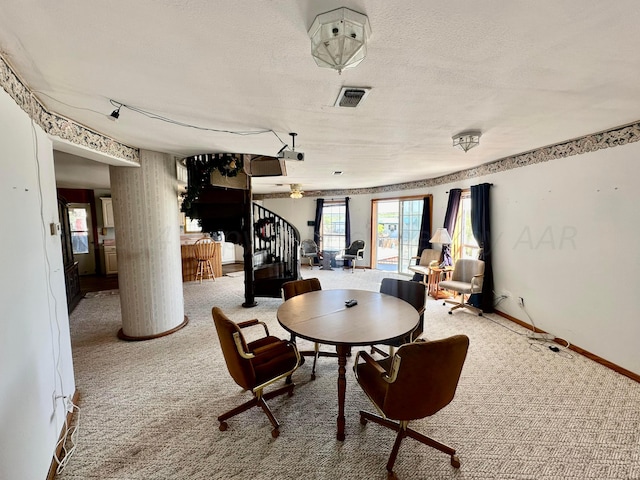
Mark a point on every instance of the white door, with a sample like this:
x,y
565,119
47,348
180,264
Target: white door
x,y
81,228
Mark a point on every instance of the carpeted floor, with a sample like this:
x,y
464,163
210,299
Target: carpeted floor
x,y
149,409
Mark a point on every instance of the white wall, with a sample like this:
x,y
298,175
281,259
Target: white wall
x,y
547,221
35,349
299,211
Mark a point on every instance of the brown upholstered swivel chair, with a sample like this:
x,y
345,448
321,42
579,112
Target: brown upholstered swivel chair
x,y
255,365
298,287
418,381
414,293
466,279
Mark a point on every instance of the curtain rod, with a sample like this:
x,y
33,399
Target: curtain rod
x,y
490,184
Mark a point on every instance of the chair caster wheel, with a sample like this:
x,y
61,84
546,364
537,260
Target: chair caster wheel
x,y
223,426
363,421
450,313
391,476
480,314
275,433
313,376
455,461
290,394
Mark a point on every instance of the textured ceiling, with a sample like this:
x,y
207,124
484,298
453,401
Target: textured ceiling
x,y
527,74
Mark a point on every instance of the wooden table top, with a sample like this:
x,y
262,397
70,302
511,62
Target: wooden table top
x,y
322,317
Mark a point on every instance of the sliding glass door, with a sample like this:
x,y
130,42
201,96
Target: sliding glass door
x,y
396,236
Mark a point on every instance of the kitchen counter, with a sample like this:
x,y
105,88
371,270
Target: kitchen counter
x,y
190,264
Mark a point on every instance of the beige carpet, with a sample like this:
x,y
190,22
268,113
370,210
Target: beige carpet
x,y
148,409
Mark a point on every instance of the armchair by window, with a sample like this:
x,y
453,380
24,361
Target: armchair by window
x,y
391,386
466,279
255,365
354,253
309,249
428,256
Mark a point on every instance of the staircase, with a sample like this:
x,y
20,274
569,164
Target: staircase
x,y
276,247
223,204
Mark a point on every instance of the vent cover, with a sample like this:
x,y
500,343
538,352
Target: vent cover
x,y
351,97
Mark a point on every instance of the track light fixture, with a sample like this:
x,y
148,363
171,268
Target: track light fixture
x,y
115,114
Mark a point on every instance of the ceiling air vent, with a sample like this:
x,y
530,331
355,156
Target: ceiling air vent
x,y
351,97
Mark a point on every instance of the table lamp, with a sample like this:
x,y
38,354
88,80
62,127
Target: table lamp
x,y
442,237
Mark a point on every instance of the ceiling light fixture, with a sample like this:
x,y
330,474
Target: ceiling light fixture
x,y
339,38
296,190
467,140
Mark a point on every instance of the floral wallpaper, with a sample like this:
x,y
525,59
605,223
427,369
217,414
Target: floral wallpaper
x,y
58,126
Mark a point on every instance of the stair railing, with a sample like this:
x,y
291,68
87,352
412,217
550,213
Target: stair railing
x,y
276,242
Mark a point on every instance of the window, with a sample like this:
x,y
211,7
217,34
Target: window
x,y
333,226
397,234
192,225
464,243
79,230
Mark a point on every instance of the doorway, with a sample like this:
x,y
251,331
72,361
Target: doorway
x,y
397,233
81,226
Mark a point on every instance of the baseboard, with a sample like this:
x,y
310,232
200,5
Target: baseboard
x,y
54,465
575,348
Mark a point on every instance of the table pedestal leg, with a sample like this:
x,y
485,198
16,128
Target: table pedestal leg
x,y
342,350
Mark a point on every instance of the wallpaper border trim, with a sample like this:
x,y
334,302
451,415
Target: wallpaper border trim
x,y
614,137
58,126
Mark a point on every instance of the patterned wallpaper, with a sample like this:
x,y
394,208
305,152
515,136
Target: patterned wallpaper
x,y
589,143
58,126
145,210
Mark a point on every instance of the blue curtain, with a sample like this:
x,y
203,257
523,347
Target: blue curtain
x,y
425,233
425,227
318,221
450,222
481,226
347,229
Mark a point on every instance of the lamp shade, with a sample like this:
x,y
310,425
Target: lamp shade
x,y
441,236
339,38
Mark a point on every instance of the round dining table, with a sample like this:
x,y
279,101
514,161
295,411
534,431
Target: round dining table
x,y
323,317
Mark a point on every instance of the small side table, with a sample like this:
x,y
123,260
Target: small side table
x,y
328,259
436,275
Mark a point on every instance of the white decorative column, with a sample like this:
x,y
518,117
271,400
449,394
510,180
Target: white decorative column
x,y
145,210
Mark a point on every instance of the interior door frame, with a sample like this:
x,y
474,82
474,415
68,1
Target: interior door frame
x,y
83,195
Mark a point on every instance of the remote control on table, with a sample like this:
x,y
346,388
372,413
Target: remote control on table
x,y
351,303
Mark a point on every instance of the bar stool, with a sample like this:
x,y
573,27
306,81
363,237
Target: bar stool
x,y
204,251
